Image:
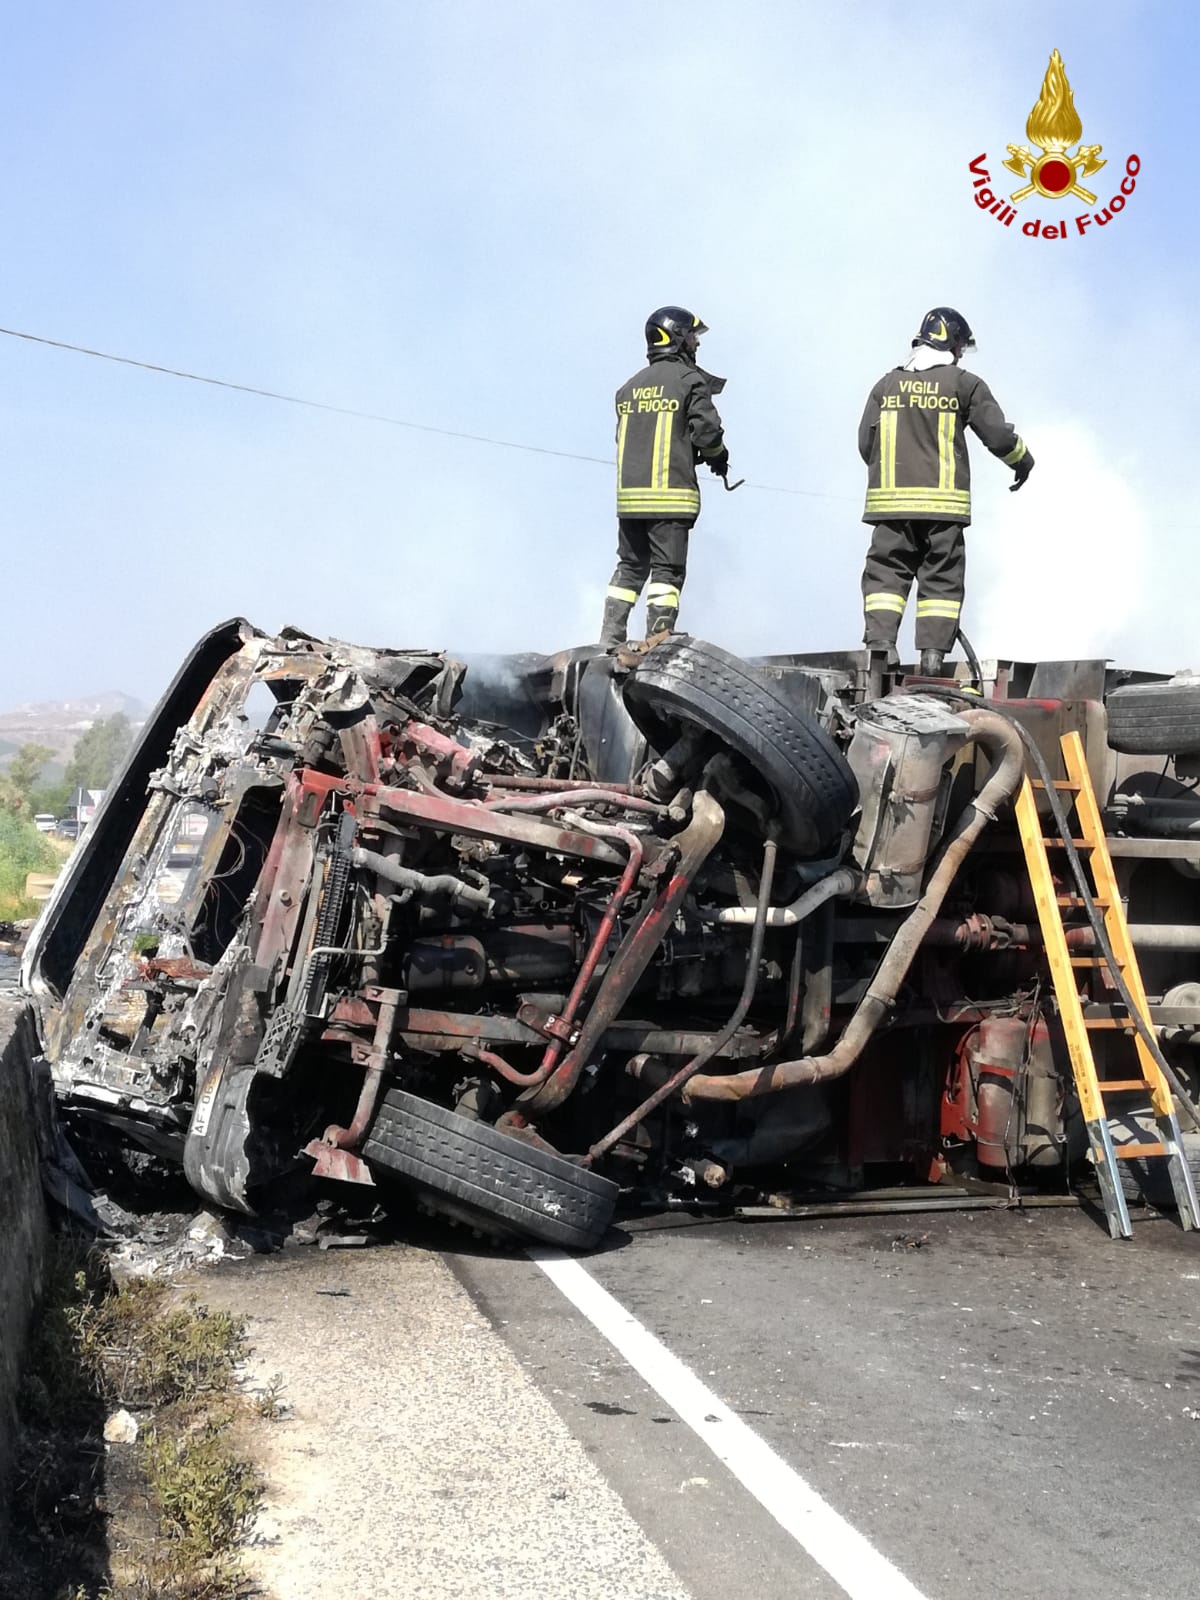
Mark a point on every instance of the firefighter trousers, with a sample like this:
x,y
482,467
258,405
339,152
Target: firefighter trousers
x,y
935,554
654,550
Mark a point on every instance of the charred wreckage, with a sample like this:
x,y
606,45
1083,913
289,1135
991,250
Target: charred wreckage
x,y
534,932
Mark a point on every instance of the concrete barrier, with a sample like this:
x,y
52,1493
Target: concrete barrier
x,y
22,1214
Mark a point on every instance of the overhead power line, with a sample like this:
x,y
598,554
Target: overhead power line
x,y
351,411
295,399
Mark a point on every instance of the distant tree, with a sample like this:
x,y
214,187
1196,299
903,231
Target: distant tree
x,y
12,801
50,799
99,752
25,767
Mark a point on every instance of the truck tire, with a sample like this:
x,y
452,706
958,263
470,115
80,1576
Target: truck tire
x,y
684,682
1148,1180
488,1177
1155,719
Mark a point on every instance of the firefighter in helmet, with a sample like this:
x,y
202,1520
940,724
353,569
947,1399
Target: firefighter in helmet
x,y
666,423
913,439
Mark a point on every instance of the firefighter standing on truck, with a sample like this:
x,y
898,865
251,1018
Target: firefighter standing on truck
x,y
912,438
666,423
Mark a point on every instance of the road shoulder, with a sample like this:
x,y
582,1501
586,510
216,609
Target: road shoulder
x,y
416,1455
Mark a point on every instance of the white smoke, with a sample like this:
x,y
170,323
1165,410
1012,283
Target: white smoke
x,y
1057,570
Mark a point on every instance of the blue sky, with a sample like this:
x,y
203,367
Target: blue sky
x,y
461,213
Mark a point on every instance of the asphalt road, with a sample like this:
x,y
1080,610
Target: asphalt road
x,y
981,1403
1003,1404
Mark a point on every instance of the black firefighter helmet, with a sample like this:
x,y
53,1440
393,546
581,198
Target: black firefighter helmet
x,y
671,330
943,328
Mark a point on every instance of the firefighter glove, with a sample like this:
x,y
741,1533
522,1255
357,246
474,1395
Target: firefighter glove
x,y
1021,471
720,464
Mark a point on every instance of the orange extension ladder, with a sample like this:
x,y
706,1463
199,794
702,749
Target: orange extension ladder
x,y
1150,1086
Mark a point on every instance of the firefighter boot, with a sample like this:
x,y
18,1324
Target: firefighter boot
x,y
931,663
660,619
880,661
662,607
616,619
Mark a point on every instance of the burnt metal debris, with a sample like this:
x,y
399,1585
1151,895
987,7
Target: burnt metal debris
x,y
524,933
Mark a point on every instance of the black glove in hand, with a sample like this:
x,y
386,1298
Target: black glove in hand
x,y
1021,471
720,464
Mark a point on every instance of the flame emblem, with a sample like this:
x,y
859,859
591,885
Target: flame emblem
x,y
1053,127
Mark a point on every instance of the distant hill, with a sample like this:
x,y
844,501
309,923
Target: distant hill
x,y
58,723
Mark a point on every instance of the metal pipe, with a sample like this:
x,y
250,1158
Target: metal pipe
x,y
1165,827
1001,739
816,1009
1145,936
507,780
695,844
918,1201
347,1138
749,985
491,1058
981,932
446,814
805,873
575,797
590,961
338,950
425,884
791,1018
844,881
1135,802
607,922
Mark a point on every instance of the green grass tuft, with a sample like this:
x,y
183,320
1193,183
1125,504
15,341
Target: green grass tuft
x,y
22,850
165,1519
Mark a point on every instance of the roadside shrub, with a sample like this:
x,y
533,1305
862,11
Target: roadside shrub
x,y
22,850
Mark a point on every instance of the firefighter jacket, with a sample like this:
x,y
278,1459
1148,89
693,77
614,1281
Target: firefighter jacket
x,y
912,438
666,422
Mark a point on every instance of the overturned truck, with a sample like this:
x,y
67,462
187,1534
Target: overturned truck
x,y
527,933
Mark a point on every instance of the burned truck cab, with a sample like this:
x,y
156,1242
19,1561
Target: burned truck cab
x,y
525,936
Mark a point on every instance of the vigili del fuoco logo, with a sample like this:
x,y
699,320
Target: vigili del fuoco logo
x,y
1054,173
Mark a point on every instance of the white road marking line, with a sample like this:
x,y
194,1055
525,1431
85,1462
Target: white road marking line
x,y
846,1555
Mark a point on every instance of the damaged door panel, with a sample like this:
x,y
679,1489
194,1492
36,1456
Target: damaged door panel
x,y
526,934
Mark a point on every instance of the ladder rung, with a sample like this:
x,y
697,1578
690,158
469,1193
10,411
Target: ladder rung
x,y
1121,1085
1092,961
1076,902
1117,1024
1135,1152
1057,844
1064,784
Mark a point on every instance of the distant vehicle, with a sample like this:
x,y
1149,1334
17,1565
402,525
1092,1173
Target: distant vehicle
x,y
67,827
45,822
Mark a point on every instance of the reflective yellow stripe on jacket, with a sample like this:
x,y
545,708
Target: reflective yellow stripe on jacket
x,y
887,502
660,471
671,504
622,430
946,425
887,449
1017,452
656,499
